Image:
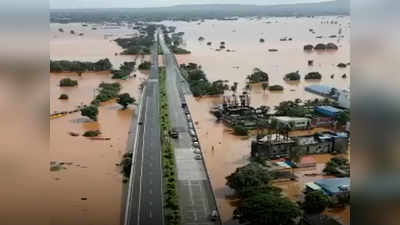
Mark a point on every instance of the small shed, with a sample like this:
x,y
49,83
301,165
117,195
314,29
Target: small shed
x,y
307,161
327,110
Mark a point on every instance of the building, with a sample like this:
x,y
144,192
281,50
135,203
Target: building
x,y
334,186
278,146
272,146
327,110
306,162
296,123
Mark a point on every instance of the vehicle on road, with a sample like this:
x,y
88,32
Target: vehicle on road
x,y
197,157
196,144
174,133
141,123
192,133
196,151
214,215
194,139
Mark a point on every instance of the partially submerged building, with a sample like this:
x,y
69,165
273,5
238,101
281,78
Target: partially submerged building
x,y
332,187
295,123
328,111
278,146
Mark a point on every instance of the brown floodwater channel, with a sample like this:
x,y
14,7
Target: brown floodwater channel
x,y
246,53
88,188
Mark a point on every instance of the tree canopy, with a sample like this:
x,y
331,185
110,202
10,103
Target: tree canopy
x,y
78,66
125,99
90,111
250,176
315,202
267,209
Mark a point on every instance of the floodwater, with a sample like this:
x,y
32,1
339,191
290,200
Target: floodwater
x,y
90,169
242,36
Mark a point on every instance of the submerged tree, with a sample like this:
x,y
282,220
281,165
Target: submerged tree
x,y
90,112
125,99
315,202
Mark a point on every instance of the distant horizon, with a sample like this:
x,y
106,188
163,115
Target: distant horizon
x,y
194,3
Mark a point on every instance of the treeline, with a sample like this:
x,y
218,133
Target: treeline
x,y
124,70
199,85
198,12
78,66
174,41
141,44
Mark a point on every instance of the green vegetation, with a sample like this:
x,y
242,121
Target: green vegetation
x,y
174,41
125,99
275,88
68,82
126,164
146,65
294,76
92,133
124,70
63,97
259,202
308,47
343,118
240,130
338,166
262,40
315,202
258,76
90,111
79,67
267,209
141,44
199,85
313,76
107,91
341,65
171,198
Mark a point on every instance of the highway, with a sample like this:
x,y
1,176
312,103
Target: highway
x,y
196,197
144,199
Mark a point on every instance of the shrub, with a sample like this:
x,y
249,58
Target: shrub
x,y
146,65
68,82
276,88
294,76
240,130
341,65
63,97
90,111
320,46
313,76
308,47
92,133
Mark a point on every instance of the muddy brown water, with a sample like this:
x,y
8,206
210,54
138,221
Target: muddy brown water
x,y
90,165
242,36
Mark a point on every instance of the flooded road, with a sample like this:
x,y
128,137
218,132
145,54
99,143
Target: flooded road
x,y
88,188
242,36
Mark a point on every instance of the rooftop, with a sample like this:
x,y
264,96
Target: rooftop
x,y
334,185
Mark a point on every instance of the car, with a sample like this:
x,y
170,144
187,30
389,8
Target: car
x,y
196,144
197,157
190,125
192,133
194,139
141,123
214,215
196,151
174,133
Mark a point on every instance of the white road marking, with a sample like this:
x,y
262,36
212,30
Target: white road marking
x,y
141,169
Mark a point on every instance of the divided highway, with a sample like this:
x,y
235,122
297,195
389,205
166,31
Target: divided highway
x,y
144,200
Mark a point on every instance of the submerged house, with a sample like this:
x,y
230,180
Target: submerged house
x,y
295,123
332,187
277,146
